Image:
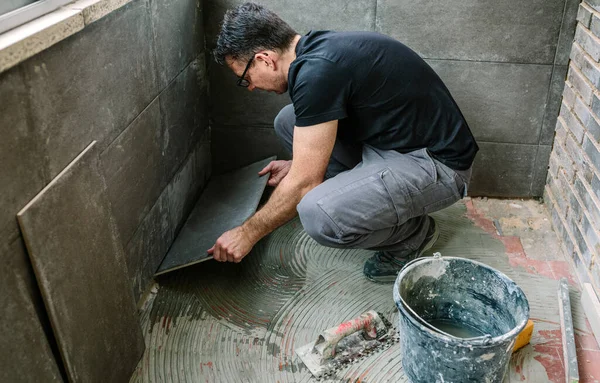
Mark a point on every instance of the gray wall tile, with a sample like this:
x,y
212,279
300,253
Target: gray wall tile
x,y
179,34
22,169
303,16
540,170
234,147
503,170
79,265
501,102
233,105
155,235
555,95
184,114
146,250
488,30
25,354
567,32
149,244
185,187
93,84
133,169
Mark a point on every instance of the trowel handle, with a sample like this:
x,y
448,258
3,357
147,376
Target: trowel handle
x,y
328,340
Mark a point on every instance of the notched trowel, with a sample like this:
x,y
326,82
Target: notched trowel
x,y
341,345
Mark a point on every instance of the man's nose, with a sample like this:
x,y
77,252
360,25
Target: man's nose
x,y
251,87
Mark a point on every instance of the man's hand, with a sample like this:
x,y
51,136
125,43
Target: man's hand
x,y
232,246
279,169
312,149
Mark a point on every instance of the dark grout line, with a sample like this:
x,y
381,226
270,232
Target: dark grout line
x,y
375,15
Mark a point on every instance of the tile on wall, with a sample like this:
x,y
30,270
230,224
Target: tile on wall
x,y
567,32
146,250
501,102
540,170
303,16
488,30
93,84
187,185
503,170
22,169
133,169
179,34
234,147
25,353
555,95
79,265
148,246
234,105
184,114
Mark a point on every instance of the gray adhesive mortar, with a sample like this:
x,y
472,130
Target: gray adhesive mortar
x,y
241,323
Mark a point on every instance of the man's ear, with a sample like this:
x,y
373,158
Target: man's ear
x,y
268,58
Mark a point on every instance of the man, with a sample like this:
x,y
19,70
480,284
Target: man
x,y
377,141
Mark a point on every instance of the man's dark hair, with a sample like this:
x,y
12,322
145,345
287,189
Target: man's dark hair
x,y
249,28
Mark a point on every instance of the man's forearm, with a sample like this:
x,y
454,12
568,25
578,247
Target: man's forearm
x,y
280,208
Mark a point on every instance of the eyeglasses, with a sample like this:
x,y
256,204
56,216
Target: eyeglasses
x,y
242,80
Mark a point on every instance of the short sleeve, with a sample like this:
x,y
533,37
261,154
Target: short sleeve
x,y
320,92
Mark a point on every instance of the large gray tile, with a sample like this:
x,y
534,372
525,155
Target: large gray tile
x,y
179,34
185,187
501,102
25,353
567,32
93,84
133,169
233,105
234,147
155,234
150,243
555,95
503,170
540,170
486,30
227,202
184,114
303,16
22,169
79,264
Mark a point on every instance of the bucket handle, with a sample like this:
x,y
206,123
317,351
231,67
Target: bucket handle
x,y
484,338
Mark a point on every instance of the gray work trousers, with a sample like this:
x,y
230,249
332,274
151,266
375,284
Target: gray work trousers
x,y
372,198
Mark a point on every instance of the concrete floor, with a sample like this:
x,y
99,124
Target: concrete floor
x,y
241,323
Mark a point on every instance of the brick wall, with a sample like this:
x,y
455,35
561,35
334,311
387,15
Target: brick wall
x,y
572,190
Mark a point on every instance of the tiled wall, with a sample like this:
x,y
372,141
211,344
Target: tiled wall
x,y
504,62
135,81
573,189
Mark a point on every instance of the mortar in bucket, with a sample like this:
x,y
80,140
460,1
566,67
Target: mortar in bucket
x,y
458,320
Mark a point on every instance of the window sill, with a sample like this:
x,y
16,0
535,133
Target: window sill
x,y
23,42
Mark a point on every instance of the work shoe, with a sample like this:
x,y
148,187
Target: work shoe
x,y
383,267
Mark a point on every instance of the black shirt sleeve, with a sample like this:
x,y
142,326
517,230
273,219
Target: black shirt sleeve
x,y
320,92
